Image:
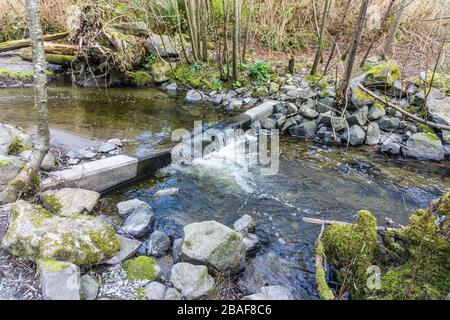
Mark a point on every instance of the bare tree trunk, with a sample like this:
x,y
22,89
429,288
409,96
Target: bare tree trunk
x,y
389,43
326,10
247,31
190,13
204,31
28,177
225,37
177,13
342,91
387,14
236,41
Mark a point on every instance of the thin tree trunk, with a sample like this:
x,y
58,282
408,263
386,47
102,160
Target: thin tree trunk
x,y
177,13
28,177
326,10
389,43
333,49
247,31
204,31
342,92
192,27
372,43
316,23
236,40
225,37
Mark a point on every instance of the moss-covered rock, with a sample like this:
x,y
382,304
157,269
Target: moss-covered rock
x,y
36,234
350,249
385,72
141,268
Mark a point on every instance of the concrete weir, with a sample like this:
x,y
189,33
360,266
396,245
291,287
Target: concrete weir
x,y
107,174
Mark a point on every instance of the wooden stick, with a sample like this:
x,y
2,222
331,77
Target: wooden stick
x,y
18,44
330,222
406,113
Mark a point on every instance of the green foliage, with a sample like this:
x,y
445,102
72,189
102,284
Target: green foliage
x,y
199,75
16,146
259,71
149,61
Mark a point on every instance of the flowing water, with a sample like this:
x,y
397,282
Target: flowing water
x,y
312,180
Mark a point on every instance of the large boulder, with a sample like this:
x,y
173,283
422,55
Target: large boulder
x,y
425,146
161,46
36,234
59,280
386,72
69,202
215,245
440,110
9,168
193,281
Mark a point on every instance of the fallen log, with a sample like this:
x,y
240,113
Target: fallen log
x,y
329,222
57,48
59,59
19,44
406,113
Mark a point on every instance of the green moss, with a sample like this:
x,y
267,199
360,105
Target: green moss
x,y
360,95
352,249
141,268
52,202
378,105
141,79
16,146
4,163
388,71
431,136
24,76
53,265
323,289
59,59
140,293
425,128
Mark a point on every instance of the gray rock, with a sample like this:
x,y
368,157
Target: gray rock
x,y
166,192
128,248
235,104
245,223
193,281
88,288
360,99
440,110
388,124
447,150
290,122
86,153
139,222
155,291
446,136
217,99
373,134
176,250
193,96
308,113
158,244
425,146
307,129
359,117
251,242
392,144
9,169
127,207
35,233
271,293
338,123
325,118
268,123
48,163
325,105
213,244
106,147
59,280
172,294
161,45
116,142
355,135
69,201
171,87
12,134
261,91
376,112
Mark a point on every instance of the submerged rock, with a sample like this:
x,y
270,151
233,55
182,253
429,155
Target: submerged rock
x,y
193,281
69,202
271,293
425,146
167,192
59,280
35,234
215,245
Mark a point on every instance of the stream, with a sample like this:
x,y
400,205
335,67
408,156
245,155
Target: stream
x,y
312,181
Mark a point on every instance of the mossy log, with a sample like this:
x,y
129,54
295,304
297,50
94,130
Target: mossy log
x,y
19,44
59,59
62,49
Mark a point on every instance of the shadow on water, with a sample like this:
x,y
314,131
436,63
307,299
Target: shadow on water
x,y
312,181
145,115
